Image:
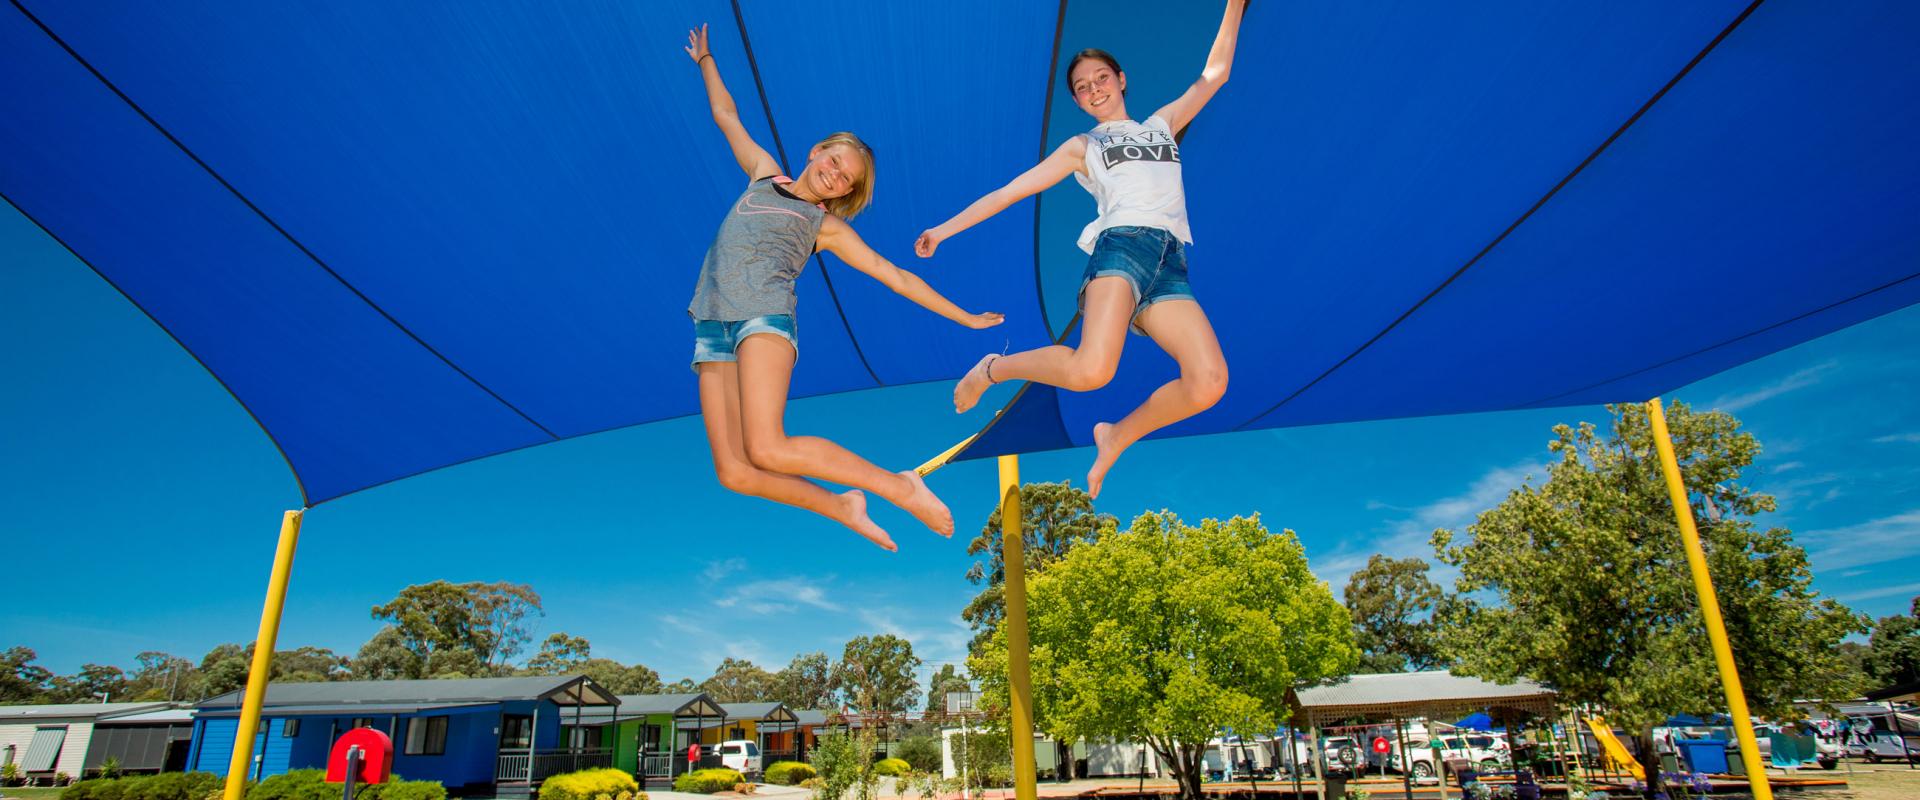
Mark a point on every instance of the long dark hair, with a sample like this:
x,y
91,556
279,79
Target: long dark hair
x,y
1092,52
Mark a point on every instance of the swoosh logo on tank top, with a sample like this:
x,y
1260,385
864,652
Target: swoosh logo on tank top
x,y
746,202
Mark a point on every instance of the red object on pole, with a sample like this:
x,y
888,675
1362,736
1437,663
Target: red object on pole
x,y
693,755
1380,744
376,751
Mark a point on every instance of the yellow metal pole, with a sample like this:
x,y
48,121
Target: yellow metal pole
x,y
1709,604
1019,689
242,762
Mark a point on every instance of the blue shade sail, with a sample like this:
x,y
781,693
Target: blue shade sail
x,y
410,235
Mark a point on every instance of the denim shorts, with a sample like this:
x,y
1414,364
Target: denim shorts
x,y
1152,260
715,340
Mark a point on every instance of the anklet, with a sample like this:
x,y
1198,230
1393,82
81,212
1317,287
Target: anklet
x,y
990,360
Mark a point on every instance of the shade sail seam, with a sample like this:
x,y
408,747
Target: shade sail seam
x,y
766,107
1528,214
271,222
1717,345
299,484
1046,118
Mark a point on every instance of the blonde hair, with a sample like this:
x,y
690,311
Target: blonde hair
x,y
857,199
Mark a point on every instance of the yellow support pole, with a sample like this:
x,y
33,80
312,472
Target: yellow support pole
x,y
242,762
1019,687
1709,604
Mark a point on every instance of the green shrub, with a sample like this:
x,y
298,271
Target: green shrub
x,y
587,784
923,752
172,786
789,773
398,790
299,784
892,767
84,790
708,781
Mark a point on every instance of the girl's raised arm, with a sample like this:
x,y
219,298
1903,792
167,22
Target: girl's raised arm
x,y
753,158
838,238
1062,162
1219,62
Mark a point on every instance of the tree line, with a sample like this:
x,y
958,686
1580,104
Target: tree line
x,y
445,630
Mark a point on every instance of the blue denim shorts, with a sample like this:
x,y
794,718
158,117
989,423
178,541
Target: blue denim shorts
x,y
715,340
1151,259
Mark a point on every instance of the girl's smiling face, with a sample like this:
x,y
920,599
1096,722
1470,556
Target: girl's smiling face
x,y
1098,88
832,171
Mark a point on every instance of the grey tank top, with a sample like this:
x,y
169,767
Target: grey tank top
x,y
754,260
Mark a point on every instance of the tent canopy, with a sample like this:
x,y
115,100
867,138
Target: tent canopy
x,y
410,235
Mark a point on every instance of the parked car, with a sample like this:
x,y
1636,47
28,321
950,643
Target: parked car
x,y
1486,751
742,756
1829,752
1344,755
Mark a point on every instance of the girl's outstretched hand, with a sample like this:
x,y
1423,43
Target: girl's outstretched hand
x,y
926,244
697,44
983,320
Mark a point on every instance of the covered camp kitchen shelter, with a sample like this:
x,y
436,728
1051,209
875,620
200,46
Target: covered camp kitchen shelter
x,y
1400,696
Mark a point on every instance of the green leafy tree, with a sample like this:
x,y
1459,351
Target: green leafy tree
x,y
875,675
1892,657
488,620
560,654
806,682
682,686
738,680
308,665
21,680
620,678
1169,633
1392,601
1054,517
1581,583
160,676
224,669
386,657
92,684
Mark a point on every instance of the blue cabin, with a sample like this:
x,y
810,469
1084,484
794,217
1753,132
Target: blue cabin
x,y
484,736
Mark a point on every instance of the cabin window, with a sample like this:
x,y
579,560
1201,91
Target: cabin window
x,y
516,731
426,736
362,722
289,728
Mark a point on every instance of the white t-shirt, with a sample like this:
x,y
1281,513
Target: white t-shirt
x,y
1133,172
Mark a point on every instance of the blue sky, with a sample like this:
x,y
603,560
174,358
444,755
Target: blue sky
x,y
140,504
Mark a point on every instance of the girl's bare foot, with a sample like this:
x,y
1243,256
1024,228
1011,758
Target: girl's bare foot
x,y
972,385
925,506
854,515
1106,451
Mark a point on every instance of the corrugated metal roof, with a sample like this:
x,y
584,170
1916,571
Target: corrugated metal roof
x,y
73,710
812,716
342,709
1436,693
559,688
182,713
685,704
769,712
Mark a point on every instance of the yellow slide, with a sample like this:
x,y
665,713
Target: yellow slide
x,y
1615,751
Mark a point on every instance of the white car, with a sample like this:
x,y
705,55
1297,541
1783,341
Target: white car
x,y
1488,753
740,755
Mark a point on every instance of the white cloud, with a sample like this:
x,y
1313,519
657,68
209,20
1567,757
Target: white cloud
x,y
1903,590
1788,467
1865,544
1798,380
720,569
781,594
1410,535
1909,438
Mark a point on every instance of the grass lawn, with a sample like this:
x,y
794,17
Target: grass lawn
x,y
24,793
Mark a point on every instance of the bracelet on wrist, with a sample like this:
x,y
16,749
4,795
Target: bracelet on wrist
x,y
703,57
